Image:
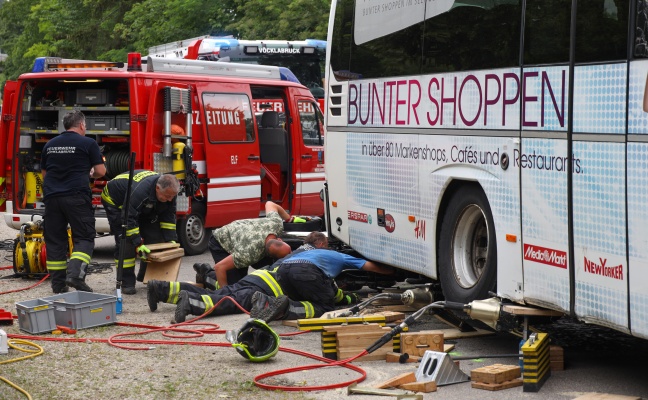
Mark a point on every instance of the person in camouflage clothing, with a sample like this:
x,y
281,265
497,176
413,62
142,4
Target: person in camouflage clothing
x,y
248,242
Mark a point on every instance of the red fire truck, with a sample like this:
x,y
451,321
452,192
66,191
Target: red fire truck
x,y
305,58
236,135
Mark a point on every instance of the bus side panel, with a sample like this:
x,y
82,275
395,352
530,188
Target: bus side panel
x,y
545,166
599,196
545,222
7,126
638,201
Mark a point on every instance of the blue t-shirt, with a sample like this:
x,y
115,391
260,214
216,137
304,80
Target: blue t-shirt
x,y
329,261
67,160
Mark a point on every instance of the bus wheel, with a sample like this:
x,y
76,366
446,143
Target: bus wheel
x,y
467,247
192,234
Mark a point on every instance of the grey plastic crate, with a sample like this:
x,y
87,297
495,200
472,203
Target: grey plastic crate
x,y
35,316
81,310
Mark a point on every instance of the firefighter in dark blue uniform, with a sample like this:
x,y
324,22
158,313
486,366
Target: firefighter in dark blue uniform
x,y
151,217
68,161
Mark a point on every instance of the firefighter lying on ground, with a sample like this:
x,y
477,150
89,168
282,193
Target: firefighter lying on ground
x,y
151,217
206,275
269,295
251,242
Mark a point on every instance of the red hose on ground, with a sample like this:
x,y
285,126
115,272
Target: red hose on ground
x,y
28,287
117,341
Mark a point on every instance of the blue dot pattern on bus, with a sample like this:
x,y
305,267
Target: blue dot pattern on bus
x,y
637,223
600,99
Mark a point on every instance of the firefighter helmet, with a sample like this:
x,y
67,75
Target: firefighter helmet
x,y
255,340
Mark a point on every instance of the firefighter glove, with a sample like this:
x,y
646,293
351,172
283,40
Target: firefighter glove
x,y
142,250
348,299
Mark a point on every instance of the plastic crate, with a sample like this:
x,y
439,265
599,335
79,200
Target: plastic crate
x,y
81,310
100,122
36,316
123,123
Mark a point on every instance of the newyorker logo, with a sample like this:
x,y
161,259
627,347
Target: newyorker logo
x,y
543,255
600,268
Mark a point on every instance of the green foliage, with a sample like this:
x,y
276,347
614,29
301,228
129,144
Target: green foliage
x,y
108,30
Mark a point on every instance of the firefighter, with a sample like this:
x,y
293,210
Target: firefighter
x,y
191,299
248,242
262,292
151,217
68,161
206,275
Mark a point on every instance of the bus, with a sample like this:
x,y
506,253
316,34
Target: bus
x,y
305,58
501,147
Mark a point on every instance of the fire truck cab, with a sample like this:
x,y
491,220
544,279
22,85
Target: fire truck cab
x,y
236,136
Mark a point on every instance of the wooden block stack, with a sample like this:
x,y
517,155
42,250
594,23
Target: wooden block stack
x,y
496,377
353,339
416,343
407,381
556,358
163,262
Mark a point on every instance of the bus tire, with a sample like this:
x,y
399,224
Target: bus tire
x,y
192,235
467,247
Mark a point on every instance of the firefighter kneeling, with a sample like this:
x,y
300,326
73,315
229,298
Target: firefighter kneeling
x,y
151,217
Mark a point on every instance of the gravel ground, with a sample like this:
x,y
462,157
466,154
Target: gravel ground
x,y
86,367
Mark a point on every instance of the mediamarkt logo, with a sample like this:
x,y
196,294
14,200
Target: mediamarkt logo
x,y
543,255
280,50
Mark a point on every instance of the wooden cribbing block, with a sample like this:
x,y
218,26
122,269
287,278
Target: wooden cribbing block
x,y
416,343
556,358
162,246
396,381
394,357
496,373
354,339
497,386
159,256
425,387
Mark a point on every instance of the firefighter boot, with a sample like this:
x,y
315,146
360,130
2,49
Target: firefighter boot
x,y
202,269
76,273
58,281
128,281
268,308
142,271
154,293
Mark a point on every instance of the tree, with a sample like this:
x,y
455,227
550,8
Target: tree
x,y
282,19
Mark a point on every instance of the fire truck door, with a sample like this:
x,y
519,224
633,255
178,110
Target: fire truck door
x,y
310,153
7,126
232,158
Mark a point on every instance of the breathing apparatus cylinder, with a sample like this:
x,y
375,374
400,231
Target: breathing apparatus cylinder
x,y
34,186
178,159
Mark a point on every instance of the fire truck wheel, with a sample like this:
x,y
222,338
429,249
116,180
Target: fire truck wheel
x,y
467,247
192,234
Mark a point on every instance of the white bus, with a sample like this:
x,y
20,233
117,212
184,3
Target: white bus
x,y
496,145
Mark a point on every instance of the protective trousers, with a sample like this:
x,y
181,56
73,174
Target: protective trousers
x,y
78,213
201,299
150,233
306,283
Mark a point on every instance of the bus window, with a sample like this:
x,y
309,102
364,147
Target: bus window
x,y
473,36
546,34
601,31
